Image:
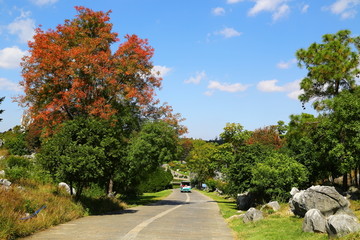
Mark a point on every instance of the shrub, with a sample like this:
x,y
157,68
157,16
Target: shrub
x,y
15,143
16,173
274,177
156,181
16,161
211,184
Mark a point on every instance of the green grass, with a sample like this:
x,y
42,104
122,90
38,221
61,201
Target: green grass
x,y
276,226
148,198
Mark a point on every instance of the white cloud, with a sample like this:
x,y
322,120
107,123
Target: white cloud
x,y
344,8
219,11
197,79
23,27
233,1
286,65
293,88
228,32
226,87
5,84
43,2
269,86
277,7
282,11
305,8
160,71
10,57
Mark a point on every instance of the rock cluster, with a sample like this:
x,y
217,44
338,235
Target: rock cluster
x,y
5,183
253,215
324,210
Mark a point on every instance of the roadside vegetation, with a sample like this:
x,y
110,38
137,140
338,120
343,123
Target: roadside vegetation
x,y
275,225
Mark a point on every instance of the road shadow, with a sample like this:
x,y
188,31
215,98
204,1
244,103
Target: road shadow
x,y
125,211
168,203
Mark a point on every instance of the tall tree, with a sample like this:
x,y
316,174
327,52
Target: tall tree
x,y
71,71
201,160
332,66
153,145
303,142
340,130
1,111
235,134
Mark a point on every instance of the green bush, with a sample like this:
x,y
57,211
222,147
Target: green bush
x,y
156,181
273,178
17,173
16,161
15,143
211,184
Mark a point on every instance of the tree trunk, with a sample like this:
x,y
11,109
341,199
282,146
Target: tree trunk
x,y
345,181
71,188
110,187
355,177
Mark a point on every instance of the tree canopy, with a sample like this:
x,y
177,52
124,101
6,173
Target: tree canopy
x,y
332,66
71,71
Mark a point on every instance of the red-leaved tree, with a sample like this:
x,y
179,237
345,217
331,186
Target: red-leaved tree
x,y
71,71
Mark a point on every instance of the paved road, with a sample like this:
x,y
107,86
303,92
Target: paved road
x,y
180,216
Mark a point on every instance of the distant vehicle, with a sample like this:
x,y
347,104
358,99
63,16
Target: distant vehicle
x,y
185,186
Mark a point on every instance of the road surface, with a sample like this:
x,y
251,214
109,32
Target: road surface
x,y
180,216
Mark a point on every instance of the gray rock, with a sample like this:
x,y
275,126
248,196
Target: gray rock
x,y
293,191
4,183
341,224
324,198
274,205
244,201
67,188
236,217
252,215
314,221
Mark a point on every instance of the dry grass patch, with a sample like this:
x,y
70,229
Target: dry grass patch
x,y
17,202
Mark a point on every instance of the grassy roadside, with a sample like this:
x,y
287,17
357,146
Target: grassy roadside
x,y
60,207
275,226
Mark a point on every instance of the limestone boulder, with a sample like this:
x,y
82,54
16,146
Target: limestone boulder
x,y
340,225
67,188
252,215
324,198
274,205
314,221
5,183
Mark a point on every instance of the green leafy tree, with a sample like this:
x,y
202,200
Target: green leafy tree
x,y
201,160
275,175
303,142
239,170
15,141
1,111
77,152
154,145
235,134
340,132
156,181
332,66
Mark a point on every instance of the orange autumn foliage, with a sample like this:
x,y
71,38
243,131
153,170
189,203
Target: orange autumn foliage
x,y
268,136
71,71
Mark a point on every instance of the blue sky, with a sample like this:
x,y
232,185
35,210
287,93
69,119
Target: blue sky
x,y
221,60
